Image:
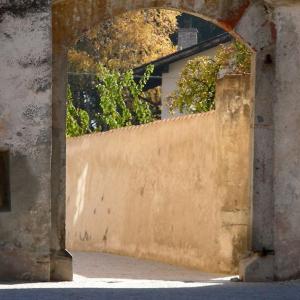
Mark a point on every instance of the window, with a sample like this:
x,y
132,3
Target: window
x,y
4,181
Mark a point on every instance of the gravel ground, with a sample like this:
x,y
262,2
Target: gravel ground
x,y
111,277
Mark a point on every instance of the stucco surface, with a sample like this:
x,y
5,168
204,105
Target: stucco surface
x,y
25,130
175,191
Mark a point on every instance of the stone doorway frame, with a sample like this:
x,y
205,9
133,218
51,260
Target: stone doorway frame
x,y
248,21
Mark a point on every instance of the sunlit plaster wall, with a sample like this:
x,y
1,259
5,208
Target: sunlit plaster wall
x,y
175,191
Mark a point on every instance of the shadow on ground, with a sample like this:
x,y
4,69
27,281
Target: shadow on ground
x,y
226,292
111,277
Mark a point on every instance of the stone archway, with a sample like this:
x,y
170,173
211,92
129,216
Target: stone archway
x,y
32,124
247,22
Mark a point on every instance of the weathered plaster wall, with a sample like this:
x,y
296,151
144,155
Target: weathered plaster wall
x,y
25,130
175,191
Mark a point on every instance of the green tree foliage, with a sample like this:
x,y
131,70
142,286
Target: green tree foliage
x,y
77,120
197,85
120,103
120,99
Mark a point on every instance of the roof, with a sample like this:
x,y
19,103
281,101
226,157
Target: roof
x,y
162,64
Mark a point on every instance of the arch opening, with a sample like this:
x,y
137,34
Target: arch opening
x,y
61,52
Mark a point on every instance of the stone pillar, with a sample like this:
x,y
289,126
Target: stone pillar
x,y
287,143
275,240
61,260
25,134
257,30
260,265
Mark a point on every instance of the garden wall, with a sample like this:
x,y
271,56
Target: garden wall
x,y
175,191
